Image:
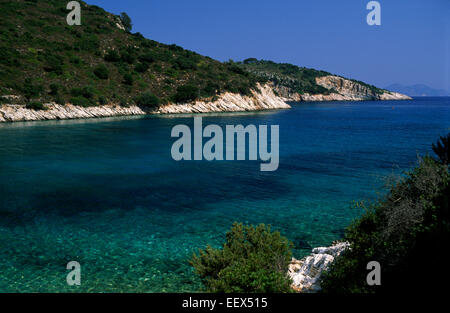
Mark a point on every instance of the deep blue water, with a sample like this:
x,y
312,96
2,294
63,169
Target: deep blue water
x,y
106,193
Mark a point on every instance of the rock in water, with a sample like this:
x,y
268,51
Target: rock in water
x,y
305,273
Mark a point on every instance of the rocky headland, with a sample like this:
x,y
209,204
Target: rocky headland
x,y
341,89
266,97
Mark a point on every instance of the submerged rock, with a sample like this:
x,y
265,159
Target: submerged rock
x,y
302,244
306,273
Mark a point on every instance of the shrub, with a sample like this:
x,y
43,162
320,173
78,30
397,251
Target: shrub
x,y
399,232
128,79
147,58
101,71
81,101
236,69
75,60
184,63
253,259
210,89
54,89
186,93
37,106
54,63
141,68
88,43
60,100
86,92
102,100
31,90
112,56
147,99
128,56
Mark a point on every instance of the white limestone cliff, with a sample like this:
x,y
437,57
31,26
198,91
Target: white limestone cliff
x,y
262,99
342,90
266,97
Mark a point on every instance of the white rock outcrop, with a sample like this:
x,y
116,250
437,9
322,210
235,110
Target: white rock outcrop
x,y
16,113
343,90
266,97
262,99
306,273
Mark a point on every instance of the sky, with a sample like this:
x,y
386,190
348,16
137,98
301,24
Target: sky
x,y
411,46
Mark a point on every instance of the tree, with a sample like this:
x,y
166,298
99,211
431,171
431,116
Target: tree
x,y
253,259
126,21
442,149
250,61
399,231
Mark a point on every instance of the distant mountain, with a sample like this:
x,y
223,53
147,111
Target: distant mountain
x,y
418,90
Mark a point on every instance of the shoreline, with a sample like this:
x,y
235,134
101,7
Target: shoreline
x,y
262,99
265,98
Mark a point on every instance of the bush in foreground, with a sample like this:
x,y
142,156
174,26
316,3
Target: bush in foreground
x,y
253,259
405,232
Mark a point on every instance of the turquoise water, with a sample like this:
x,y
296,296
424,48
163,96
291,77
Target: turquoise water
x,y
106,193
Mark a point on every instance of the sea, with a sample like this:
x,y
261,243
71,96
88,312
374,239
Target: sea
x,y
106,193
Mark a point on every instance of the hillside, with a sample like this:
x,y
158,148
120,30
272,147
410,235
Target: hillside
x,y
50,70
305,84
43,59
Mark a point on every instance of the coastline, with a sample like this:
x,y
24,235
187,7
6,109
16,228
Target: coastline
x,y
306,273
266,97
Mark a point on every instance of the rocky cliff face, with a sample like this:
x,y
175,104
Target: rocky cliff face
x,y
266,97
341,89
262,99
306,273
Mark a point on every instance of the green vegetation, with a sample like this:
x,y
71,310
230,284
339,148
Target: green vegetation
x,y
405,232
298,79
101,72
42,59
186,93
442,149
126,21
253,259
147,99
39,50
36,106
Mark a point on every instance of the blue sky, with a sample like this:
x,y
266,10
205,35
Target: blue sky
x,y
411,46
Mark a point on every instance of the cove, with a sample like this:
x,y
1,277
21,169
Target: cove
x,y
107,193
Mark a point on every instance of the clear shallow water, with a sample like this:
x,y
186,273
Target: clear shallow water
x,y
106,193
